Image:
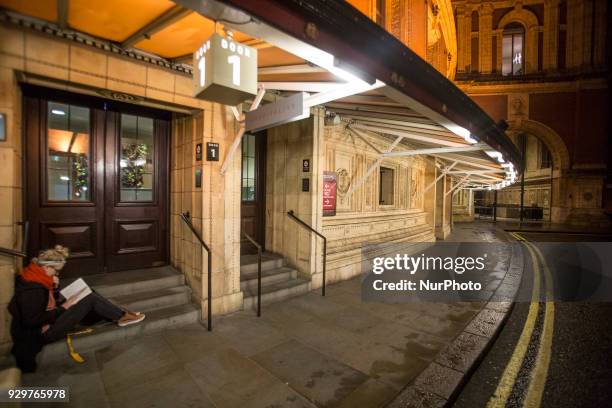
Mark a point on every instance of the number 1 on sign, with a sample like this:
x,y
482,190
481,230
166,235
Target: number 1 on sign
x,y
234,61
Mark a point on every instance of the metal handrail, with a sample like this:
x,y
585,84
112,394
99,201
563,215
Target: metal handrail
x,y
247,236
24,243
186,218
295,218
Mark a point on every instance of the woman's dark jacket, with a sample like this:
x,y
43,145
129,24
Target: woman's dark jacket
x,y
29,310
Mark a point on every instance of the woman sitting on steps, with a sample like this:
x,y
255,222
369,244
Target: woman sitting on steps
x,y
39,319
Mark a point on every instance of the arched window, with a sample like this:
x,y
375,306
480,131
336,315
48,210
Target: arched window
x,y
513,54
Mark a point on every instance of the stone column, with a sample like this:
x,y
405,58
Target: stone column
x,y
499,36
485,23
11,186
442,208
429,198
531,49
601,12
551,34
467,50
575,33
587,24
462,34
416,37
470,203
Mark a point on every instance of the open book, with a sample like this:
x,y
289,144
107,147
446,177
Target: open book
x,y
78,287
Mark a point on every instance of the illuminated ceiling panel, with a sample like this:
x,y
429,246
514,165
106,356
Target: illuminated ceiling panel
x,y
182,37
114,19
45,10
273,56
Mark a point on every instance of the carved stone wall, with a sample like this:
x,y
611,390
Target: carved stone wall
x,y
360,218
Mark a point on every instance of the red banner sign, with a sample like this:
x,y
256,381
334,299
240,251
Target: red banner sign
x,y
329,193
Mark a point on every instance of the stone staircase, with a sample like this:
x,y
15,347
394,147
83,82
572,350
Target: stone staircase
x,y
159,292
278,281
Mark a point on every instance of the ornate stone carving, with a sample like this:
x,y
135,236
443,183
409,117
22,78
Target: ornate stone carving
x,y
344,181
395,24
415,188
518,106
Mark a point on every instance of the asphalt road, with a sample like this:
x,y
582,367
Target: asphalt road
x,y
578,344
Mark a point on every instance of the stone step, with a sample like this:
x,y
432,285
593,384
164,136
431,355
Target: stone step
x,y
269,277
269,261
154,299
110,333
276,292
129,282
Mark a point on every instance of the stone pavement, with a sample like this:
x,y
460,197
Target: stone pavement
x,y
333,351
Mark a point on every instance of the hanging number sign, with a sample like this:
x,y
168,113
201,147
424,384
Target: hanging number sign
x,y
225,71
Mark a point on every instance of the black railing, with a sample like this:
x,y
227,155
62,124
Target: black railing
x,y
308,227
24,243
247,236
185,216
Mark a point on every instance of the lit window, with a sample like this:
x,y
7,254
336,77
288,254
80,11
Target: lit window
x,y
513,54
386,186
545,157
249,176
68,152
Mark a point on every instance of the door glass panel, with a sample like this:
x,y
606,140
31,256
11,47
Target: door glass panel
x,y
136,158
68,171
248,168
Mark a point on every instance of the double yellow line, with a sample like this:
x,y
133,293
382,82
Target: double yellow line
x,y
540,370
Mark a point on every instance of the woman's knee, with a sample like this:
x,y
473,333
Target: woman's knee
x,y
93,297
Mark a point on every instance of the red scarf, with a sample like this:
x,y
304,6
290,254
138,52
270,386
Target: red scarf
x,y
35,273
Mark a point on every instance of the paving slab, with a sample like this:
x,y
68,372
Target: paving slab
x,y
323,380
231,379
175,388
86,385
192,342
249,334
139,360
371,393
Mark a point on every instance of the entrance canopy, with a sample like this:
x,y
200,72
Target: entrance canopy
x,y
362,75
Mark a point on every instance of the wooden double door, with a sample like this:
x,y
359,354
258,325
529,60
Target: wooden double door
x,y
96,181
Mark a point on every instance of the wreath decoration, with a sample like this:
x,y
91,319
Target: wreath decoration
x,y
81,171
135,156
